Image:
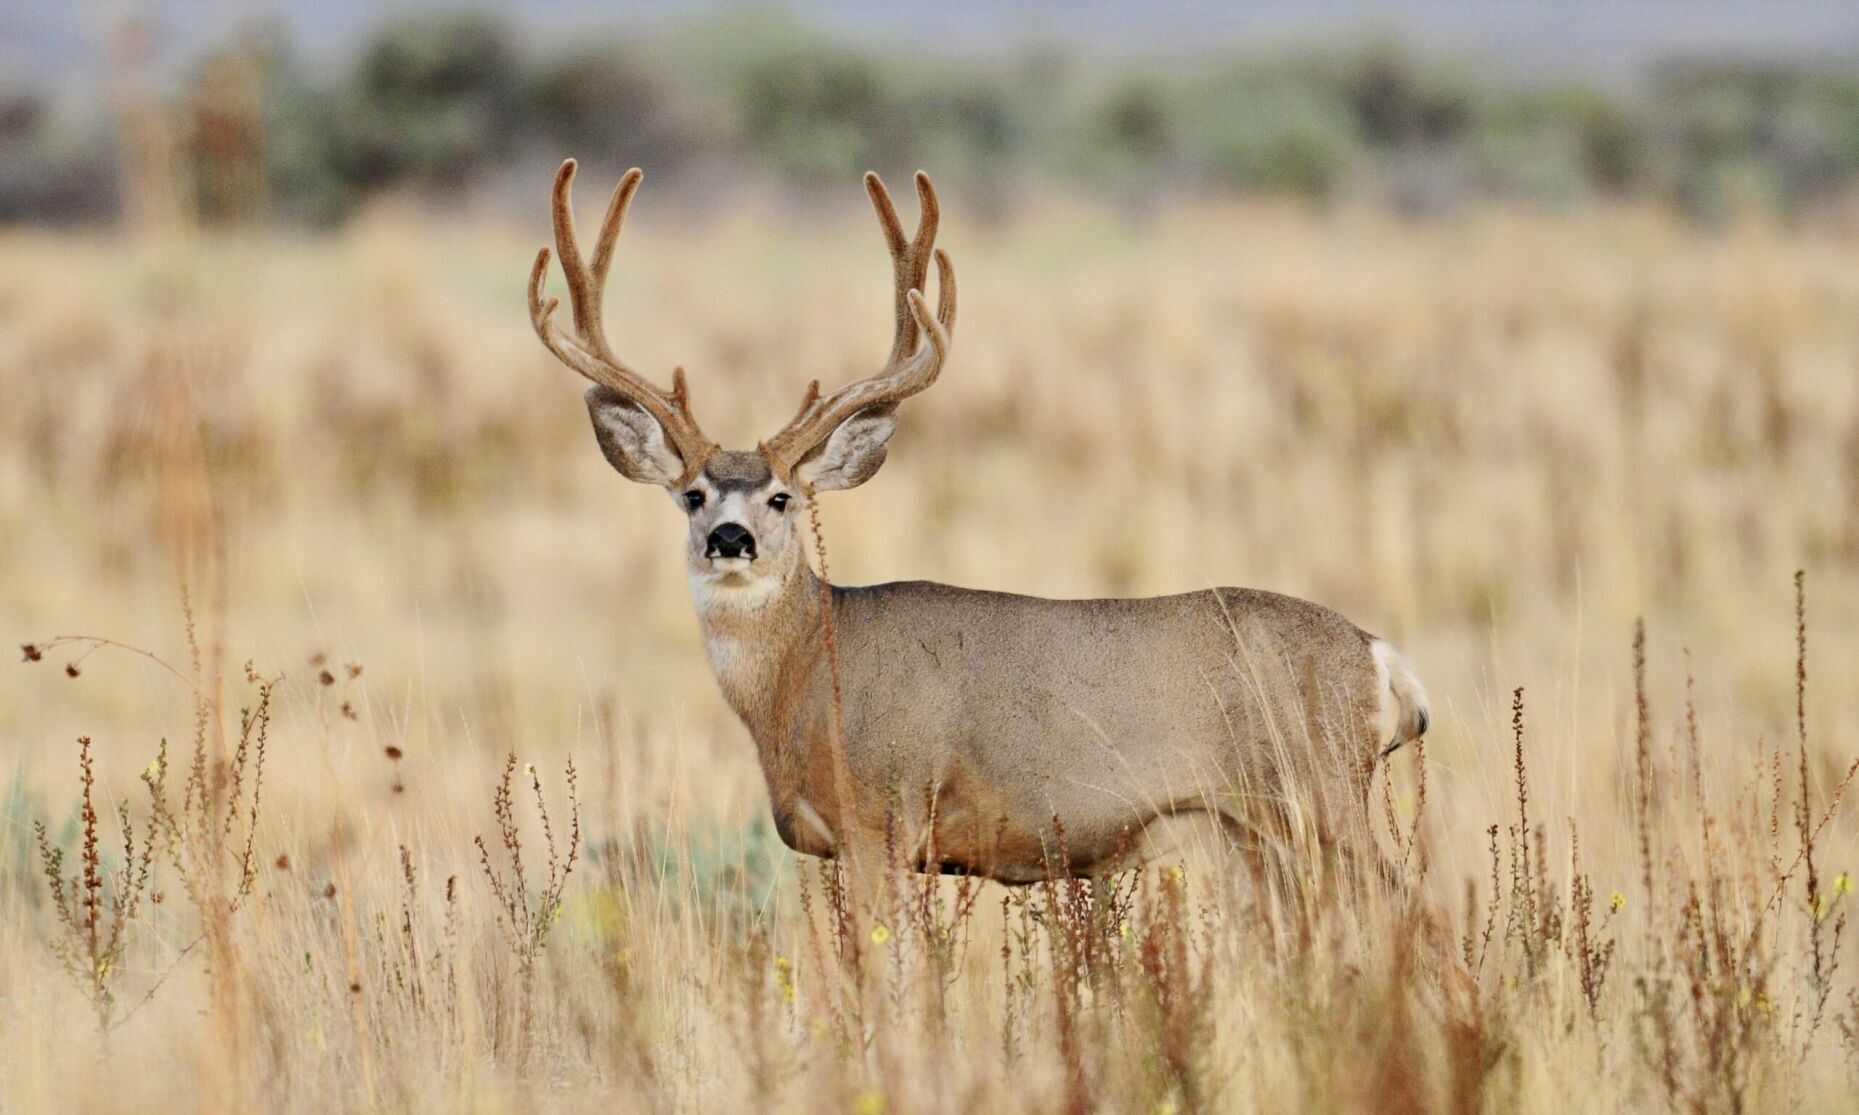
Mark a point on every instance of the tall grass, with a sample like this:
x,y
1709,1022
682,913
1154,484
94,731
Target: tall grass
x,y
1503,443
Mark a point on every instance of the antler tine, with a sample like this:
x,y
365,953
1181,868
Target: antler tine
x,y
913,364
887,213
909,258
587,351
587,283
945,290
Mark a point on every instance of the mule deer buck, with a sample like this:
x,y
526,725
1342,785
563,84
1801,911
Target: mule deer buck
x,y
1001,731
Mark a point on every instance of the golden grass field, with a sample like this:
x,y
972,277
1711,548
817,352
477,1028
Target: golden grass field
x,y
1498,440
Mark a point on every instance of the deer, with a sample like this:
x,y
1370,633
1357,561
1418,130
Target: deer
x,y
977,732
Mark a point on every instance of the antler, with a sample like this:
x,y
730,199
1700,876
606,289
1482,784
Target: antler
x,y
586,351
917,353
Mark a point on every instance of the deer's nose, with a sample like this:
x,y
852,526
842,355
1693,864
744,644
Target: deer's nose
x,y
730,540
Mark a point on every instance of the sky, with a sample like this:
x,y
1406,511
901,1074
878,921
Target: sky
x,y
56,43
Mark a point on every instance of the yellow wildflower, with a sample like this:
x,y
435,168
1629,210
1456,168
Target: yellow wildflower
x,y
1617,902
784,978
1843,883
870,1101
879,935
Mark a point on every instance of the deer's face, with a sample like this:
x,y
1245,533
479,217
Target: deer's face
x,y
741,520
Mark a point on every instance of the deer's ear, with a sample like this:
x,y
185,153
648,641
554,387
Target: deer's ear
x,y
852,454
633,441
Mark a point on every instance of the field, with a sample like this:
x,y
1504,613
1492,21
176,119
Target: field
x,y
336,482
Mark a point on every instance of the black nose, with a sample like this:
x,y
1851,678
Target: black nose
x,y
731,541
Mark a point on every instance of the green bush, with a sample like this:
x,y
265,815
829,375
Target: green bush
x,y
432,100
438,104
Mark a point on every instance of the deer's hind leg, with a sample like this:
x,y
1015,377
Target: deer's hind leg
x,y
1182,832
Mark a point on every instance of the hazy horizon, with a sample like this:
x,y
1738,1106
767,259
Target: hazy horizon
x,y
60,46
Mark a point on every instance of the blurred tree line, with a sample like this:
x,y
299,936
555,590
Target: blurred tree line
x,y
446,107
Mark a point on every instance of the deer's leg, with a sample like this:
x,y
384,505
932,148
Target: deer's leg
x,y
1177,833
1365,869
871,877
1269,878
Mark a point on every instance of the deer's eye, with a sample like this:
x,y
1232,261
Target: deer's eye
x,y
693,499
778,501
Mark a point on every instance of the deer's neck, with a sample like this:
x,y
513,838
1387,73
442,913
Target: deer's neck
x,y
766,648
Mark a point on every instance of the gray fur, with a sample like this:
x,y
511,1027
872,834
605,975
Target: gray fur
x,y
734,470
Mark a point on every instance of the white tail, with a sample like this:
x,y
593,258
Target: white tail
x,y
1405,714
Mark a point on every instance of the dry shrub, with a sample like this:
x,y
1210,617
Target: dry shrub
x,y
1630,892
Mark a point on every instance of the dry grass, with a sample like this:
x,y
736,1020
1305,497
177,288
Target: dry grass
x,y
1499,442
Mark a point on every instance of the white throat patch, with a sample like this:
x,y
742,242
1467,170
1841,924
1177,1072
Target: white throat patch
x,y
732,589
